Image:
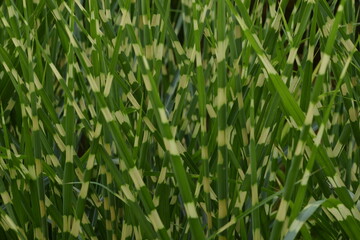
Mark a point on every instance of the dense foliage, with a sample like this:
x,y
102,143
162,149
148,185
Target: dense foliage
x,y
228,119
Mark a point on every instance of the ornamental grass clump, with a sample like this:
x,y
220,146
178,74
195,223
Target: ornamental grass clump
x,y
215,119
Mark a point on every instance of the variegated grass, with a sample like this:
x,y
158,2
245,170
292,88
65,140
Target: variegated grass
x,y
179,119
